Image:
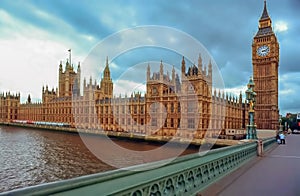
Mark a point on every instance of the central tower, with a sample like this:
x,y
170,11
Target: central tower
x,y
265,60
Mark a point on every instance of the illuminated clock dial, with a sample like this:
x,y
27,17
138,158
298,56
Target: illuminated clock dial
x,y
263,50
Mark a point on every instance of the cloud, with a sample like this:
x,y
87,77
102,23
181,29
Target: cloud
x,y
281,26
288,94
127,87
40,32
29,57
29,71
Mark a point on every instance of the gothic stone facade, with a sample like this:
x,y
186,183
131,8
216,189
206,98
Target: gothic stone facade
x,y
9,106
188,108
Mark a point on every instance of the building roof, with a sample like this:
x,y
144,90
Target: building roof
x,y
264,31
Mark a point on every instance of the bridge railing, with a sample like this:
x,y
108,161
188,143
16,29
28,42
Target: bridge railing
x,y
185,175
267,143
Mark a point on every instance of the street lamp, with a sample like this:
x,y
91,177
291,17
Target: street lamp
x,y
280,121
251,98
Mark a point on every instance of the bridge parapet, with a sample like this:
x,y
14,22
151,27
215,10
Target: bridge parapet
x,y
187,175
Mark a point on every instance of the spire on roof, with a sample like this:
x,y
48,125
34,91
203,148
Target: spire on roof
x,y
183,65
106,61
265,14
106,70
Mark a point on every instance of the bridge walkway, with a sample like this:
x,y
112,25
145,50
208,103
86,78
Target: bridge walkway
x,y
277,172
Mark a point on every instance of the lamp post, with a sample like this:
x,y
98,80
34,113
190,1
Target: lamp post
x,y
250,96
280,126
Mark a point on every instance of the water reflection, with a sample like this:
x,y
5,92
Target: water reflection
x,y
29,156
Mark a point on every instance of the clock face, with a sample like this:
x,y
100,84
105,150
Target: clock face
x,y
263,50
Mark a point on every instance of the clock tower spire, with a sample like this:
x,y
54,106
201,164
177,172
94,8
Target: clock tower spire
x,y
265,60
265,20
265,11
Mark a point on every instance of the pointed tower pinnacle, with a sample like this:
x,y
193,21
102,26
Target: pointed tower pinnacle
x,y
183,65
84,82
200,65
173,74
161,71
29,99
106,70
265,23
78,68
210,68
106,61
265,14
148,72
60,67
91,80
241,97
67,65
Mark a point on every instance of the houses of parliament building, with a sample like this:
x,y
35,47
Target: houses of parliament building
x,y
186,106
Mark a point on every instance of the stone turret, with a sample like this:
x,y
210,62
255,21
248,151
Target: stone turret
x,y
148,72
200,65
161,71
106,84
67,79
183,66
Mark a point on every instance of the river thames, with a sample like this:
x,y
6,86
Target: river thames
x,y
31,156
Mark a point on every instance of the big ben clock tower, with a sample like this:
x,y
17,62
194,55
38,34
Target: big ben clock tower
x,y
265,60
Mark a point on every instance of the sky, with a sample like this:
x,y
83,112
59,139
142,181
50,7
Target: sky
x,y
36,35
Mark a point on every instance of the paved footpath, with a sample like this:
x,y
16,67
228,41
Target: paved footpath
x,y
276,173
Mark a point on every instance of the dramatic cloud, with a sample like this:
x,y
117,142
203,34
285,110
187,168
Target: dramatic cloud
x,y
35,37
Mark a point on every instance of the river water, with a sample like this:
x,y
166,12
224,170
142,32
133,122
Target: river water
x,y
31,156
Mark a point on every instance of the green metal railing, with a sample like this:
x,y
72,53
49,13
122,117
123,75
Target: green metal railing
x,y
267,143
186,175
